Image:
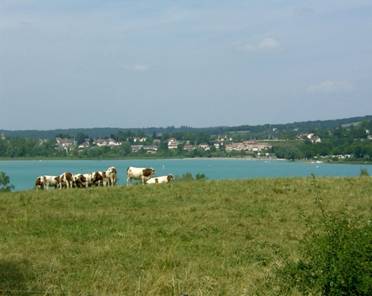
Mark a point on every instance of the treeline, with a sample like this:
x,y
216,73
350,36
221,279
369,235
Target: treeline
x,y
31,148
353,141
25,147
348,141
255,131
353,151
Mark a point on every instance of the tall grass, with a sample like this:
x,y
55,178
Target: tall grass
x,y
195,238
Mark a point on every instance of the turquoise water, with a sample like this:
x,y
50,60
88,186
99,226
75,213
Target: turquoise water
x,y
23,173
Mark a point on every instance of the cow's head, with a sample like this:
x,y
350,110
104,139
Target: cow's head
x,y
170,178
39,183
148,172
68,176
97,177
80,180
112,170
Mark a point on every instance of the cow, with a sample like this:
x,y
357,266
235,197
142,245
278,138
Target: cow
x,y
142,174
66,180
94,178
51,181
79,180
89,179
101,178
39,182
161,179
111,174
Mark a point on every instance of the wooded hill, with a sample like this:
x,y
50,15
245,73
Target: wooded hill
x,y
257,131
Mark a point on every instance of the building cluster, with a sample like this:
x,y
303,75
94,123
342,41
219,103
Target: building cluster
x,y
368,133
143,144
313,138
67,144
250,146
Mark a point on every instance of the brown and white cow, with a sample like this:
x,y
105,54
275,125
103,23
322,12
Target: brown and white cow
x,y
66,180
94,178
142,174
79,180
39,182
51,181
101,179
160,180
111,174
89,179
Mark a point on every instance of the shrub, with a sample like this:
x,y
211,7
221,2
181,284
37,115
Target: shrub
x,y
363,173
336,259
190,177
185,177
5,183
200,176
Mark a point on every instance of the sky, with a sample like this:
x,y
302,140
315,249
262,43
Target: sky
x,y
134,63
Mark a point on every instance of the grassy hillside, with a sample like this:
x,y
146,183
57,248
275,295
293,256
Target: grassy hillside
x,y
199,238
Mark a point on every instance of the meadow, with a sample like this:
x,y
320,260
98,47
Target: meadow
x,y
185,238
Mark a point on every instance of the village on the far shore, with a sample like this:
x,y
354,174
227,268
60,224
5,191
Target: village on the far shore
x,y
152,146
339,140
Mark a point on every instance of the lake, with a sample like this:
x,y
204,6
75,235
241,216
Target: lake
x,y
22,173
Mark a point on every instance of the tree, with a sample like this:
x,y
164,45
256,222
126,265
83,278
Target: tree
x,y
5,185
334,259
80,138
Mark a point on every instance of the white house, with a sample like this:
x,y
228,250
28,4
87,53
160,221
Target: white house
x,y
136,148
107,143
204,147
65,144
172,144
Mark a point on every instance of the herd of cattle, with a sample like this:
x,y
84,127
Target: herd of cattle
x,y
99,178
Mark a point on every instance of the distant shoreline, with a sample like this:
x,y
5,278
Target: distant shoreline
x,y
360,162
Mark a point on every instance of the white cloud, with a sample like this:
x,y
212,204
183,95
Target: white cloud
x,y
137,67
266,44
140,68
269,43
331,86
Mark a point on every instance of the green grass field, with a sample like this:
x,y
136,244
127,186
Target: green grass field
x,y
194,238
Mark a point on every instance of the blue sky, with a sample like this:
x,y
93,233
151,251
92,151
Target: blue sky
x,y
136,63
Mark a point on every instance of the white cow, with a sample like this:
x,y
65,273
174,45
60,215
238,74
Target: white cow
x,y
53,181
142,174
161,179
111,174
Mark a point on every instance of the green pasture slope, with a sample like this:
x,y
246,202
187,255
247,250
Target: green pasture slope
x,y
186,238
